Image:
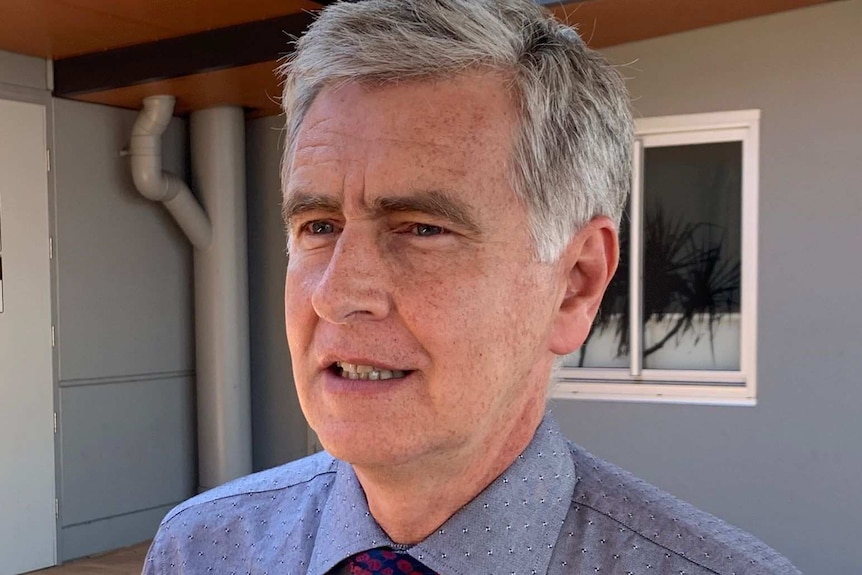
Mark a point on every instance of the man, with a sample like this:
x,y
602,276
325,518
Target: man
x,y
454,175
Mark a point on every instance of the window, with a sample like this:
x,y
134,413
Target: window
x,y
679,320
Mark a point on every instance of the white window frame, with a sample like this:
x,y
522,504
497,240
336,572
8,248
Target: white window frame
x,y
684,386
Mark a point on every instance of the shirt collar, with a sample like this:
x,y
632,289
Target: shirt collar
x,y
510,527
346,525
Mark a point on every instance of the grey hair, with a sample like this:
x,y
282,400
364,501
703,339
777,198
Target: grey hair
x,y
572,148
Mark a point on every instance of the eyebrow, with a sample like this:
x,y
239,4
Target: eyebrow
x,y
301,202
435,203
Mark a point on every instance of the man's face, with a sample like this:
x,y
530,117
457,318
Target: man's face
x,y
411,258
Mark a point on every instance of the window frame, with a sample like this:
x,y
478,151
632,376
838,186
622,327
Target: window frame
x,y
706,387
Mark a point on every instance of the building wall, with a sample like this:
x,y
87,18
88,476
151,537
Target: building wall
x,y
18,71
123,289
786,470
278,426
124,335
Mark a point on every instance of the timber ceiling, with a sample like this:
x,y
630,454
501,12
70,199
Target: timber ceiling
x,y
212,52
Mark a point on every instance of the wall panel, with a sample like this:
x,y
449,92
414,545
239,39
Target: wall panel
x,y
125,269
124,336
786,469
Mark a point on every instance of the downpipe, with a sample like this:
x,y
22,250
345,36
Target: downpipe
x,y
216,227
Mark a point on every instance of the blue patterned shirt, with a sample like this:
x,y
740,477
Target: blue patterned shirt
x,y
556,509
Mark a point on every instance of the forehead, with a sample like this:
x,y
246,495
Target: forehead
x,y
454,127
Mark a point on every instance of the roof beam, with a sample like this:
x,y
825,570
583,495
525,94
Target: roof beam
x,y
224,48
209,51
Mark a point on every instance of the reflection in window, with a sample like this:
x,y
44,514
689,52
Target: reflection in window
x,y
681,308
691,265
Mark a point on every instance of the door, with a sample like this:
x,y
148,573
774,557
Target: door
x,y
27,521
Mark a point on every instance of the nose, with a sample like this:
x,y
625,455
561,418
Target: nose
x,y
355,284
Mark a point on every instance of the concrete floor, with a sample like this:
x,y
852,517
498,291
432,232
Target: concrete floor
x,y
127,561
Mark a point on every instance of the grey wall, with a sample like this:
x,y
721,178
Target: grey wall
x,y
22,71
124,336
278,426
788,469
125,331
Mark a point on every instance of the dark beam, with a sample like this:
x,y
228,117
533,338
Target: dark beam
x,y
209,51
219,49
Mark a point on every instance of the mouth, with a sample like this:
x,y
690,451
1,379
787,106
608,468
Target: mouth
x,y
366,372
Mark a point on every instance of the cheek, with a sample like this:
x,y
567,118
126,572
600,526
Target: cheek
x,y
465,308
439,295
298,287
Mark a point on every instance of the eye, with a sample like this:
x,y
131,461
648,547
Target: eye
x,y
318,227
427,230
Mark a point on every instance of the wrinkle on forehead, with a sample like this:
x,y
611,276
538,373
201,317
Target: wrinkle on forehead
x,y
395,139
319,137
425,123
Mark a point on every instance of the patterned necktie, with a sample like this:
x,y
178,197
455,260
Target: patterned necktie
x,y
382,561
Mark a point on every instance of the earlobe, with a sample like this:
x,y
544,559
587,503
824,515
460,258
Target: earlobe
x,y
588,264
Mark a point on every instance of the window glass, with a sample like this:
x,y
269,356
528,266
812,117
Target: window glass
x,y
691,256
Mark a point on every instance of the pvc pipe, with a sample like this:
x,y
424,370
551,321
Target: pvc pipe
x,y
221,295
160,186
217,230
191,218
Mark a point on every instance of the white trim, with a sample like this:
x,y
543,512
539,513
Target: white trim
x,y
655,393
672,376
748,272
696,122
636,262
684,386
711,136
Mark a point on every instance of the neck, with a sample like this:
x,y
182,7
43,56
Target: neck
x,y
411,501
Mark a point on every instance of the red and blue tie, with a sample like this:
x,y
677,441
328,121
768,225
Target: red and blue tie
x,y
382,561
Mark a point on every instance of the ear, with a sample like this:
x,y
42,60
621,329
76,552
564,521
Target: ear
x,y
586,267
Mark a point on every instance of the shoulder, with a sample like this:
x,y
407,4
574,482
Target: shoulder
x,y
674,529
303,475
272,516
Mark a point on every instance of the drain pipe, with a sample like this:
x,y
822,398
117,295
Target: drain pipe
x,y
221,290
160,186
216,228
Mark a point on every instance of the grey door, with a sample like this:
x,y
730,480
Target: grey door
x,y
27,520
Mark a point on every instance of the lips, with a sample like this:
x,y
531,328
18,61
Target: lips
x,y
366,372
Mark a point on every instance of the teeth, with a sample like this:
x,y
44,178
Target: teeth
x,y
367,372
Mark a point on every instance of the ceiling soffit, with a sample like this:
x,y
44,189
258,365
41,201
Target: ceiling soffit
x,y
216,52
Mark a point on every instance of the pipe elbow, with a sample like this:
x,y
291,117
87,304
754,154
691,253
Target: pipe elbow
x,y
145,148
155,116
147,177
173,186
190,216
159,186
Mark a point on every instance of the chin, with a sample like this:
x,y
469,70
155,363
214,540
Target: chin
x,y
349,441
365,447
363,454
